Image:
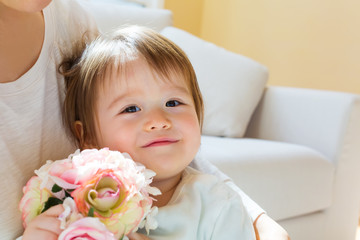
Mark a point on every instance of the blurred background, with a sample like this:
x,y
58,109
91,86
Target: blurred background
x,y
304,43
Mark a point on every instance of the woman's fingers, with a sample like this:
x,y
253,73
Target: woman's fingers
x,y
36,234
137,236
46,225
54,211
50,224
42,227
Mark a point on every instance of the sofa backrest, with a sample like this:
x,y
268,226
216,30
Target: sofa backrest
x,y
109,16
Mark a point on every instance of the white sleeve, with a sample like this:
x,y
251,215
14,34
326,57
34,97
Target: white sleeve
x,y
204,166
233,222
252,207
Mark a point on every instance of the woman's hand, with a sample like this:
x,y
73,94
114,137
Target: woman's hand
x,y
45,226
267,229
137,236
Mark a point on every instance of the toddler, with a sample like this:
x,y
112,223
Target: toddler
x,y
136,92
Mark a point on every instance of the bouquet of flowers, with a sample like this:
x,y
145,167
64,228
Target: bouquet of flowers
x,y
105,194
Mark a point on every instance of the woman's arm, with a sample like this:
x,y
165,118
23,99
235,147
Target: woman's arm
x,y
267,229
137,236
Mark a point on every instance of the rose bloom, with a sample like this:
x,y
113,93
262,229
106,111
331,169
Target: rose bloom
x,y
87,228
32,203
81,166
114,199
108,185
59,172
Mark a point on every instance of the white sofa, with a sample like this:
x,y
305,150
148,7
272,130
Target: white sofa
x,y
297,152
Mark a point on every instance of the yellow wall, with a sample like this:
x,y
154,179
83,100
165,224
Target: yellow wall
x,y
187,14
304,43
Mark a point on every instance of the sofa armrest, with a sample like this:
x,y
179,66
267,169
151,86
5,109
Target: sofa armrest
x,y
323,120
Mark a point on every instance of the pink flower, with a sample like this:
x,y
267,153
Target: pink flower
x,y
87,228
113,199
104,184
70,214
32,203
61,173
81,166
88,162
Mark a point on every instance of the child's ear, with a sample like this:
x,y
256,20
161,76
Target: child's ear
x,y
79,132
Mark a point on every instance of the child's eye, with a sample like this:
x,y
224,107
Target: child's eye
x,y
172,103
131,109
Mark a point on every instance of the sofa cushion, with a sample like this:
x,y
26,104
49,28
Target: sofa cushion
x,y
287,180
231,84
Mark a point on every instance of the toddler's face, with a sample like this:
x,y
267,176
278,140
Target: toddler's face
x,y
153,120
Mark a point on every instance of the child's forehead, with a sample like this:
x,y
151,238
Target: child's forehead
x,y
130,73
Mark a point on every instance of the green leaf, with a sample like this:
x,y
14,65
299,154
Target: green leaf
x,y
51,202
67,194
56,188
91,212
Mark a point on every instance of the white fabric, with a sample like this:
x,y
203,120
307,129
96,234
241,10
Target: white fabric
x,y
276,175
31,128
110,16
253,209
203,207
231,84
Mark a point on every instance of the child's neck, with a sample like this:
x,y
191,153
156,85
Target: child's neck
x,y
167,188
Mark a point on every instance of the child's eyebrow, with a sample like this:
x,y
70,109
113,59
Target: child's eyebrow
x,y
180,89
116,100
175,89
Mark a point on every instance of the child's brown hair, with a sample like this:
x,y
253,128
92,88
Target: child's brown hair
x,y
83,72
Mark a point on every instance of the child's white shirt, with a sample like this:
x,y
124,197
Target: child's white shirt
x,y
205,166
203,207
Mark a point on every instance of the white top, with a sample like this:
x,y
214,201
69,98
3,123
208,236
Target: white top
x,y
205,166
31,127
203,207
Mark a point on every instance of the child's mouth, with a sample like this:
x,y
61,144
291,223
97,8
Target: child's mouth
x,y
160,142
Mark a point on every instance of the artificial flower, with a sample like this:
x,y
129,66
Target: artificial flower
x,y
34,199
86,229
106,185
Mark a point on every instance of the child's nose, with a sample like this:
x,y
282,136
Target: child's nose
x,y
157,121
